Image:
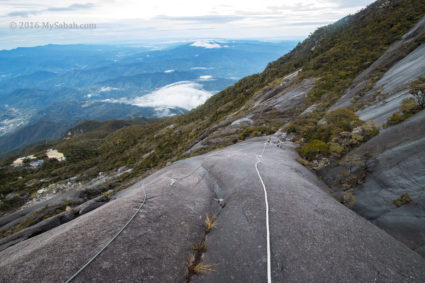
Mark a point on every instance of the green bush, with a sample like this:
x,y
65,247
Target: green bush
x,y
290,129
402,200
417,89
313,148
396,118
405,198
255,131
342,119
408,108
409,105
335,149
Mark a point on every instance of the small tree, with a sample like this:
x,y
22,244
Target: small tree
x,y
418,91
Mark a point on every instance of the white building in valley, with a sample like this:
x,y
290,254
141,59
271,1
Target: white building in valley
x,y
54,154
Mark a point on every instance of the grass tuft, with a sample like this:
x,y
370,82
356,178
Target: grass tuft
x,y
209,223
201,247
202,268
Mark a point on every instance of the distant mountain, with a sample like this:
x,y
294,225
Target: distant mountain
x,y
62,78
234,60
59,58
52,122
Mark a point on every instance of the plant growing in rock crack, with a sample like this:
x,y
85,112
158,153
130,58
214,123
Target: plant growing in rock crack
x,y
402,200
200,247
209,222
201,268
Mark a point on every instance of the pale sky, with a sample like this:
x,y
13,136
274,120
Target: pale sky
x,y
23,22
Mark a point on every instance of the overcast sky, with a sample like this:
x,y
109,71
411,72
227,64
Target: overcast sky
x,y
152,21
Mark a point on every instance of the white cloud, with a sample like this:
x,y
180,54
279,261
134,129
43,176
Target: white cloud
x,y
129,21
201,68
182,94
168,71
206,44
206,78
107,89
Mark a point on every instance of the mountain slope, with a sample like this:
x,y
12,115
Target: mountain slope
x,y
157,245
210,125
294,98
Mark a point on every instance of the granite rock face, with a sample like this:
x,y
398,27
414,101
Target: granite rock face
x,y
397,168
313,237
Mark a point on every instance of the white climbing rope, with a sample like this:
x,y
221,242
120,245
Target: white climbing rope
x,y
269,269
113,238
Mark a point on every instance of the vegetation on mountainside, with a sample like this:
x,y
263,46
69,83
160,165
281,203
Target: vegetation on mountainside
x,y
418,92
336,54
337,133
411,105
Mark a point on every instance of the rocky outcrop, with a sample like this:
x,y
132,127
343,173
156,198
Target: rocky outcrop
x,y
40,218
396,167
313,237
278,103
394,160
401,63
92,204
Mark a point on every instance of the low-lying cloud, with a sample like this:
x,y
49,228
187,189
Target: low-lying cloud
x,y
70,8
184,94
207,44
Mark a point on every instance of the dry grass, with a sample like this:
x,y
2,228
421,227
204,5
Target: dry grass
x,y
202,268
209,223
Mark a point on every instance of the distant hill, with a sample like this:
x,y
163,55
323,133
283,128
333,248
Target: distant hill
x,y
55,120
53,76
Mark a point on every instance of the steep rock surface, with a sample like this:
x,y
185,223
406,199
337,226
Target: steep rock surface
x,y
403,62
397,163
397,167
313,236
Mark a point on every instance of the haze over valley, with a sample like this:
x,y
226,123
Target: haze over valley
x,y
41,84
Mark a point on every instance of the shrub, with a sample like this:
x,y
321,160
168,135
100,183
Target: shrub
x,y
396,118
409,105
408,108
311,127
313,148
418,91
335,149
369,130
255,131
342,119
348,199
290,129
403,199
